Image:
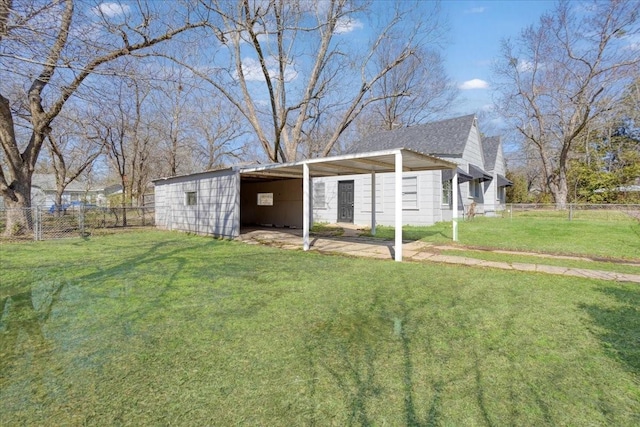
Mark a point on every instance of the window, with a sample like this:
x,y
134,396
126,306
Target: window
x,y
265,199
190,198
475,188
501,194
447,193
410,192
319,195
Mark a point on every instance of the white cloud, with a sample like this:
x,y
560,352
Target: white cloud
x,y
253,71
632,42
474,84
111,9
524,66
475,10
347,25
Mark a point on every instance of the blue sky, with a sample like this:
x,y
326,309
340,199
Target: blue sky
x,y
476,29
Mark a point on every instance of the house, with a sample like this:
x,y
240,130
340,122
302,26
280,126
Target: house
x,y
426,195
385,179
43,192
220,202
494,163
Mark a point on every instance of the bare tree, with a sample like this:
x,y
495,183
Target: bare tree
x,y
72,152
125,130
561,75
219,130
49,49
416,91
284,56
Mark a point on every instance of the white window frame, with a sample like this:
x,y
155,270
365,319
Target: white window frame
x,y
502,194
320,195
191,198
264,199
411,205
447,192
474,189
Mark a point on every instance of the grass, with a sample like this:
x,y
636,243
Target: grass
x,y
154,328
529,259
618,239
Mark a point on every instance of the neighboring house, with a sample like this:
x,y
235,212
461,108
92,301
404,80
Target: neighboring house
x,y
426,195
43,192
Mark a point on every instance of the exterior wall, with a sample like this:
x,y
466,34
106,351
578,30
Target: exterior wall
x,y
429,196
47,198
492,202
217,208
287,203
430,208
472,154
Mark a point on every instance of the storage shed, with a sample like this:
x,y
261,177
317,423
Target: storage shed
x,y
220,202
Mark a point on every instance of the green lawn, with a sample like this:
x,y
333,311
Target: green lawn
x,y
595,237
158,328
619,267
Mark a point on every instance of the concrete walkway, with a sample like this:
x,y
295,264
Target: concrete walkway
x,y
351,244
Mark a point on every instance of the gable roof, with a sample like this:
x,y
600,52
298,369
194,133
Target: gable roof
x,y
490,146
47,182
446,138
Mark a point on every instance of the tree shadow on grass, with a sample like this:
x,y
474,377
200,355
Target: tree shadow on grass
x,y
347,347
619,325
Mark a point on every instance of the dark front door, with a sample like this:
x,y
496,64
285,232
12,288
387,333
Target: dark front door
x,y
345,201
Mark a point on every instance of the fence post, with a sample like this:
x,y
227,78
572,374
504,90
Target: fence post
x,y
570,211
81,220
36,223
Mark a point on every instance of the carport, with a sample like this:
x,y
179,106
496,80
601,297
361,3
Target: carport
x,y
396,160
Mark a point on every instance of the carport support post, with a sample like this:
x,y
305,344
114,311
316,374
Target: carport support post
x,y
373,203
305,206
398,178
454,203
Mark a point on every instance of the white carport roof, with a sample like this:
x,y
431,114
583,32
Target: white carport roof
x,y
395,160
351,164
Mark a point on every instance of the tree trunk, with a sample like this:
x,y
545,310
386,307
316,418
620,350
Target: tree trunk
x,y
561,190
123,204
58,207
19,219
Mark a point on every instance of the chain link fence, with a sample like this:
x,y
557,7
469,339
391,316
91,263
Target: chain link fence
x,y
573,211
44,224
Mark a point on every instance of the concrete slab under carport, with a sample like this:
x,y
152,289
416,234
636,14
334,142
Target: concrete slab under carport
x,y
348,244
397,160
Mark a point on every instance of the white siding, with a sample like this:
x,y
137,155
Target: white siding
x,y
428,195
217,208
472,154
492,202
429,208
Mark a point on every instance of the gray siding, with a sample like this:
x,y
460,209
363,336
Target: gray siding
x,y
492,202
429,204
427,212
217,208
472,154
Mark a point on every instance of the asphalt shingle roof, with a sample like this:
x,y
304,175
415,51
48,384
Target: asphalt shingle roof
x,y
445,138
47,182
490,146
